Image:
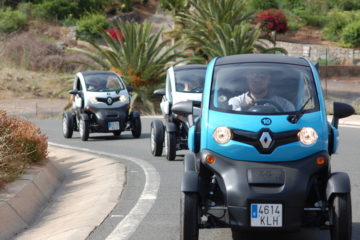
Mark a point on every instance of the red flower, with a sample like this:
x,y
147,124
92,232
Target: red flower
x,y
272,19
115,34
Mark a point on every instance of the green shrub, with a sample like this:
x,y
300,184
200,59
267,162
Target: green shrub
x,y
11,20
291,4
346,5
91,26
92,5
351,34
57,9
257,5
335,24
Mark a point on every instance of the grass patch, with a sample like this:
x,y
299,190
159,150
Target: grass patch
x,y
21,145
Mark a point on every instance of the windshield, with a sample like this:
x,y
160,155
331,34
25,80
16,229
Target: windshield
x,y
263,88
190,80
103,82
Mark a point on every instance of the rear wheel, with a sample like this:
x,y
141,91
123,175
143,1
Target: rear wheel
x,y
189,216
136,127
68,124
117,133
237,235
341,218
156,137
84,129
170,145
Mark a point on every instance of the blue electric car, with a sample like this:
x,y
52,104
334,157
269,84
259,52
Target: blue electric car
x,y
261,151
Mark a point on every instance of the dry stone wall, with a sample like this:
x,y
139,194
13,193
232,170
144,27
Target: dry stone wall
x,y
333,54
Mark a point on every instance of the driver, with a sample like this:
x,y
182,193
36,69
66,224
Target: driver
x,y
94,85
258,83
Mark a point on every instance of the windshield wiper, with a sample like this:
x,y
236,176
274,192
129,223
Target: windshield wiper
x,y
294,118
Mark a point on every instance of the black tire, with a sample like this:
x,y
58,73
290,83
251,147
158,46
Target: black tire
x,y
117,133
341,217
156,137
68,124
170,145
189,216
136,127
237,235
84,130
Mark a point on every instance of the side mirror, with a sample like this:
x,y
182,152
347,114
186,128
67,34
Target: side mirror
x,y
130,89
341,110
74,92
317,66
160,92
185,109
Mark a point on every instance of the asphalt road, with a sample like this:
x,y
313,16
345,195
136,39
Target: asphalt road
x,y
162,219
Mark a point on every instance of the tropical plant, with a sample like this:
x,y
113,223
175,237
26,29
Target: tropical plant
x,y
175,6
219,28
140,57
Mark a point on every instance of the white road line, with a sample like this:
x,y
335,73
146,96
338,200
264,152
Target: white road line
x,y
129,224
349,126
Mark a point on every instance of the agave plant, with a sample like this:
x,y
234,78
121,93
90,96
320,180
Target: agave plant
x,y
220,28
138,55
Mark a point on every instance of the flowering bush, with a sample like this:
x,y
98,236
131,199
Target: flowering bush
x,y
272,20
115,34
21,144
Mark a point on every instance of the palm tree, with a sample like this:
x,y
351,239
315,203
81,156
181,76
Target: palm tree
x,y
220,28
139,56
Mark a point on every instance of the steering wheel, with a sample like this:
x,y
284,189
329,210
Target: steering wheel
x,y
263,101
197,89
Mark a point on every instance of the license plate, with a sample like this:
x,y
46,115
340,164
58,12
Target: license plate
x,y
113,126
266,215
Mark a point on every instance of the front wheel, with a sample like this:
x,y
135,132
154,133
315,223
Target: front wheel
x,y
341,218
189,216
136,127
156,137
68,124
170,145
84,129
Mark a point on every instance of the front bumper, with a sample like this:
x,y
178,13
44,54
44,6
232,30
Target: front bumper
x,y
100,117
246,182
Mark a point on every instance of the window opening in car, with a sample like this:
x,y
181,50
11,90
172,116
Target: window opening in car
x,y
190,80
263,88
103,83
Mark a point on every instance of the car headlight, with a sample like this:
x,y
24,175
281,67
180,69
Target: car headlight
x,y
93,100
123,98
222,135
308,136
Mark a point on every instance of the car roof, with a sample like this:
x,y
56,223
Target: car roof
x,y
96,72
261,58
190,66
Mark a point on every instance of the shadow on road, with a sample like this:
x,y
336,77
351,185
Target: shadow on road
x,y
306,233
123,136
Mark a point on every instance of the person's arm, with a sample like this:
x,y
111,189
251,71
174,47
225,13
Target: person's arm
x,y
240,102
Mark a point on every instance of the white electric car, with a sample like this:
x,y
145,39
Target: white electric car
x,y
183,83
100,103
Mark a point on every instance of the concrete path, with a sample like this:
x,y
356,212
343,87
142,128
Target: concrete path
x,y
90,190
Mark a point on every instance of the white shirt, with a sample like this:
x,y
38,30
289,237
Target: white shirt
x,y
239,103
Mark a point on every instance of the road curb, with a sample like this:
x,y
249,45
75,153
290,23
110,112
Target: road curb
x,y
22,200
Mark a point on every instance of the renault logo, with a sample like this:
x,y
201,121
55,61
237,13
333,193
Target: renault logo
x,y
109,100
265,139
